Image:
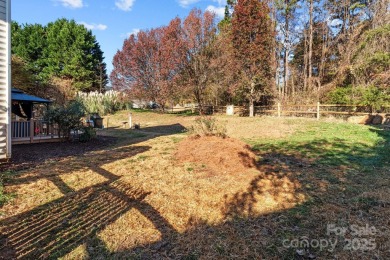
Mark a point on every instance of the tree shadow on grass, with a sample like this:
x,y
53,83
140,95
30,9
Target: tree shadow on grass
x,y
25,156
284,201
58,227
332,152
343,183
55,229
163,129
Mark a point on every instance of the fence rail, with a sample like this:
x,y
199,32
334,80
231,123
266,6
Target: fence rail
x,y
312,110
321,109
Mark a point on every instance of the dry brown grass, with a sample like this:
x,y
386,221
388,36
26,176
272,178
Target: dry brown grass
x,y
135,199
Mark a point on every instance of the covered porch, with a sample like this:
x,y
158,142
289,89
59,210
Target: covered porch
x,y
27,125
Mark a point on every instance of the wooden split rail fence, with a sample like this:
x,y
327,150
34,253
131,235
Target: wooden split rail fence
x,y
312,110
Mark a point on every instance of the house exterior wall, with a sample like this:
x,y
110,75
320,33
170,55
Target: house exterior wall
x,y
5,79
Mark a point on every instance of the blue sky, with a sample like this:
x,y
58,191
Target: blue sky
x,y
111,21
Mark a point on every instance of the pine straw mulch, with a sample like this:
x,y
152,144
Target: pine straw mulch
x,y
227,155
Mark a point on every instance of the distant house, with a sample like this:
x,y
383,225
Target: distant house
x,y
5,79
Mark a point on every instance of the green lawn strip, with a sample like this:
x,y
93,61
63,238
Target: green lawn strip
x,y
5,197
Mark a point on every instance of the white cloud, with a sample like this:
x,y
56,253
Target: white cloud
x,y
124,5
219,11
93,26
101,27
133,32
186,3
72,3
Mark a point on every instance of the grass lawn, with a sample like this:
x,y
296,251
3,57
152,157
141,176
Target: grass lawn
x,y
319,189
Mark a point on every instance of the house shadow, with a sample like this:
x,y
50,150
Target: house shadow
x,y
25,156
58,227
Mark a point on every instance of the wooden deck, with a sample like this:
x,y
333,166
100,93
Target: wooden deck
x,y
34,131
36,139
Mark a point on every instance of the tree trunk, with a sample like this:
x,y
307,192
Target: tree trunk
x,y
323,53
305,61
286,53
199,100
278,83
251,101
251,108
285,78
275,53
292,85
310,41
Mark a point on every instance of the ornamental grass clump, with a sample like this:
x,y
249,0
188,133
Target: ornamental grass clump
x,y
101,103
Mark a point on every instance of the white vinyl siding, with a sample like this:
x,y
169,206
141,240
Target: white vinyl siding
x,y
5,86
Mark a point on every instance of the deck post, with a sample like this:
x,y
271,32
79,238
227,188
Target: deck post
x,y
31,130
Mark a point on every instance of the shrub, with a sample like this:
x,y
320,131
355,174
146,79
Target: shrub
x,y
370,96
341,96
88,134
66,117
207,126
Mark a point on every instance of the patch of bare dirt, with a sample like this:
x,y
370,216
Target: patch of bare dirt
x,y
221,155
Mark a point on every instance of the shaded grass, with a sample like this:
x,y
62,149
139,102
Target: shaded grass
x,y
5,197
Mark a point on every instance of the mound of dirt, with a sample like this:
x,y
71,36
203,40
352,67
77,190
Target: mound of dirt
x,y
221,155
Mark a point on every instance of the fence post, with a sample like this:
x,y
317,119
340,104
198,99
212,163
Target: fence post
x,y
130,123
279,109
32,130
318,110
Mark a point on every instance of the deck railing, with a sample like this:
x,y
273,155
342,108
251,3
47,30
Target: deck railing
x,y
33,130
